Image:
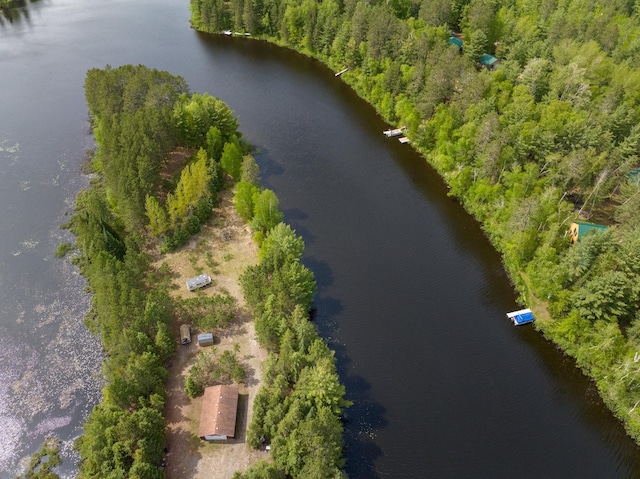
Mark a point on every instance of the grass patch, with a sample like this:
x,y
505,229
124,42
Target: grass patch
x,y
63,249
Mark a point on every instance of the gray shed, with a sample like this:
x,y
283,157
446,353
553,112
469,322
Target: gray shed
x,y
205,339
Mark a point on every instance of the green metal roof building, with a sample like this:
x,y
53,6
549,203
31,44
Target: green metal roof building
x,y
489,61
579,228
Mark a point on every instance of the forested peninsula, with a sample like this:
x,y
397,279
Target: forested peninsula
x,y
163,155
530,111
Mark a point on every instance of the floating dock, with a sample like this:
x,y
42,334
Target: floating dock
x,y
522,316
395,132
403,140
342,71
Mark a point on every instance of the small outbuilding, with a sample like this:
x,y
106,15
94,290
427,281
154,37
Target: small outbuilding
x,y
205,339
185,334
198,282
578,229
219,411
489,61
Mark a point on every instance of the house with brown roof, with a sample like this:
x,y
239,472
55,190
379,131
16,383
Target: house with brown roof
x,y
218,416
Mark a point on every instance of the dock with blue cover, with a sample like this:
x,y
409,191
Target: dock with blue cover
x,y
522,316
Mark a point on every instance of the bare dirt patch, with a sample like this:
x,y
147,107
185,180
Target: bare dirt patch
x,y
223,249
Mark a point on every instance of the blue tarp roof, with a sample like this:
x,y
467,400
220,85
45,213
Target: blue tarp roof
x,y
522,316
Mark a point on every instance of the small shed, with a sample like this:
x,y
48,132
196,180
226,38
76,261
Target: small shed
x,y
489,61
205,339
522,316
185,334
578,229
219,411
198,282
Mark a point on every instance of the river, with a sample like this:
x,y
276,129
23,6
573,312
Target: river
x,y
411,295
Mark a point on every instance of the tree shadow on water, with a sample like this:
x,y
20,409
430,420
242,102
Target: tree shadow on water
x,y
268,166
366,417
322,273
363,421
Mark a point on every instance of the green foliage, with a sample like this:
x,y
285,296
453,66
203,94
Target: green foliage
x,y
194,117
266,213
250,172
231,160
243,199
63,249
118,442
192,188
206,312
261,470
157,215
281,246
476,46
43,461
134,128
608,297
214,143
210,370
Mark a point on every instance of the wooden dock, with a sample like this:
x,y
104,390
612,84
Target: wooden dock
x,y
404,140
394,132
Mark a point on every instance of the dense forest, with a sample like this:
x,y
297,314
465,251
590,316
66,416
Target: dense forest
x,y
147,124
545,133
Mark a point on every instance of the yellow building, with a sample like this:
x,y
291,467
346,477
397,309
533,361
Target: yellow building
x,y
578,229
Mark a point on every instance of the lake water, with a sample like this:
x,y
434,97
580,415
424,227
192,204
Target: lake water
x,y
411,295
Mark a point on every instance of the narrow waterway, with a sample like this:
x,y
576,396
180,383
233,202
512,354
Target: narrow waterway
x,y
411,295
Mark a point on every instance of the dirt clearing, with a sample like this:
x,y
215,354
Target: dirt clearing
x,y
223,249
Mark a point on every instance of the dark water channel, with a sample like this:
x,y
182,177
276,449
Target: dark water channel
x,y
411,295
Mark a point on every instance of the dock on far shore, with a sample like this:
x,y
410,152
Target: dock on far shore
x,y
395,132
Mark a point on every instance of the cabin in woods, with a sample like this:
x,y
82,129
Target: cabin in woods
x,y
219,411
578,229
489,62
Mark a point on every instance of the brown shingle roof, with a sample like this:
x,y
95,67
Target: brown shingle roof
x,y
219,408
